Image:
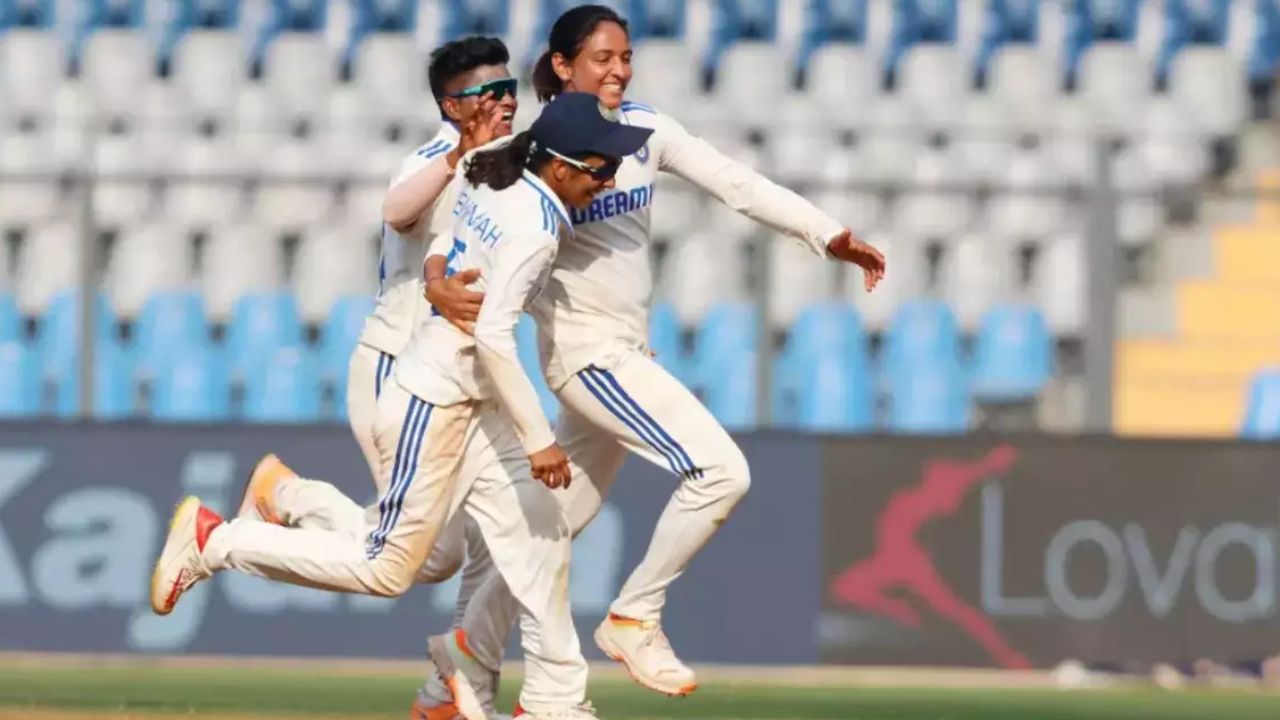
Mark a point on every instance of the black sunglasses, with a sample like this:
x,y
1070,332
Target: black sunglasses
x,y
500,89
601,173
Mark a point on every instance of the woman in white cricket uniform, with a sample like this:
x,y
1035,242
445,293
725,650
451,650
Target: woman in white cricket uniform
x,y
456,397
593,319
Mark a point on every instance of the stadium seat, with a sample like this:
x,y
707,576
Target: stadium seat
x,y
931,399
1114,80
208,69
58,334
375,19
117,68
934,79
829,24
192,388
939,202
239,259
261,324
797,279
147,260
1139,210
705,268
124,193
906,280
683,208
751,76
1208,86
20,384
1192,23
527,347
976,272
1262,413
924,333
33,62
666,340
298,73
665,75
1013,354
390,77
1027,204
725,367
1024,82
284,388
113,389
210,195
341,333
822,378
1172,146
1063,285
37,201
333,261
297,190
10,319
48,264
171,323
920,22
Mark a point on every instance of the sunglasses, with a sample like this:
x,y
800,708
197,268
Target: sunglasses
x,y
601,173
500,89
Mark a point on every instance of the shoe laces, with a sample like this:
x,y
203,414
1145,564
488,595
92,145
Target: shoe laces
x,y
655,637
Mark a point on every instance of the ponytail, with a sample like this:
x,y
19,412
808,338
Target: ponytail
x,y
545,81
500,167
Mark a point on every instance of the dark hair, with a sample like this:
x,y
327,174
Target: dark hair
x,y
501,167
567,36
462,56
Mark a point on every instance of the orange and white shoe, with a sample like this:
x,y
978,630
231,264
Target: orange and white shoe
x,y
585,711
645,650
259,499
180,565
462,674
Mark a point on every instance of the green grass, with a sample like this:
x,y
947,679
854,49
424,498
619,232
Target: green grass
x,y
267,693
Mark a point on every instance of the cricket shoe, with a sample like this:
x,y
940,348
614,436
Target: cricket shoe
x,y
644,649
434,702
180,565
585,711
469,683
259,499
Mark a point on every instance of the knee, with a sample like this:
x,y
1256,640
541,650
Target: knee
x,y
737,474
727,479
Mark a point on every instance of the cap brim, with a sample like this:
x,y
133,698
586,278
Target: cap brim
x,y
620,141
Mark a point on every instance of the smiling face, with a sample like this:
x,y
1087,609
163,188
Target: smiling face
x,y
602,66
573,185
461,109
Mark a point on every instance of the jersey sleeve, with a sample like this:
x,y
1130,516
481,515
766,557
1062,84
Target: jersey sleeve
x,y
520,266
742,188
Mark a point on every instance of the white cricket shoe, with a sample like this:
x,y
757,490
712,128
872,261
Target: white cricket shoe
x,y
180,565
434,700
645,650
259,498
467,680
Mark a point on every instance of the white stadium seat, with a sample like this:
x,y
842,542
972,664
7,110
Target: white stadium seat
x,y
1029,202
296,188
679,209
209,69
938,203
1139,210
752,83
48,264
299,71
117,70
934,81
797,279
861,209
390,77
1025,83
1173,145
123,194
334,260
904,280
843,81
665,74
147,259
32,62
239,259
705,269
976,273
798,152
211,189
1208,85
1061,285
1115,81
38,198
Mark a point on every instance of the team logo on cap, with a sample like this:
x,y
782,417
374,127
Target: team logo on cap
x,y
642,155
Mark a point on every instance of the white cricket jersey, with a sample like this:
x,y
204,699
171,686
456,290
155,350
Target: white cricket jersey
x,y
597,300
388,328
511,236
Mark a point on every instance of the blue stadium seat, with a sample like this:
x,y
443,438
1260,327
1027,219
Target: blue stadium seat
x,y
113,388
170,324
341,333
527,347
10,319
666,340
920,21
832,21
741,20
284,389
822,378
1264,59
307,16
656,18
1262,414
28,13
20,385
477,17
379,16
725,360
1013,357
193,387
1007,22
922,333
58,333
191,15
931,399
260,325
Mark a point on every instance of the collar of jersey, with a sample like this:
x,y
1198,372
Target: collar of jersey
x,y
449,131
546,192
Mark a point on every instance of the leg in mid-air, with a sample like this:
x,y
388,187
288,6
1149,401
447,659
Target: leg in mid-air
x,y
635,405
420,447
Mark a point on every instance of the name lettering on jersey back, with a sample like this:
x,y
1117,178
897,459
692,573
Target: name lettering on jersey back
x,y
477,220
613,204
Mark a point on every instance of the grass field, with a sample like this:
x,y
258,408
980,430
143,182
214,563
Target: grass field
x,y
152,693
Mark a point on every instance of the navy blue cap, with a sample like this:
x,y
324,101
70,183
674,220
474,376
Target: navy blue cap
x,y
573,124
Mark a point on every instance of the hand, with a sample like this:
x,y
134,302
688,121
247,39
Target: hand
x,y
454,301
551,467
482,127
847,248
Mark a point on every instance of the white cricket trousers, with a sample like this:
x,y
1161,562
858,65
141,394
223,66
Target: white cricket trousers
x,y
630,404
306,503
465,456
